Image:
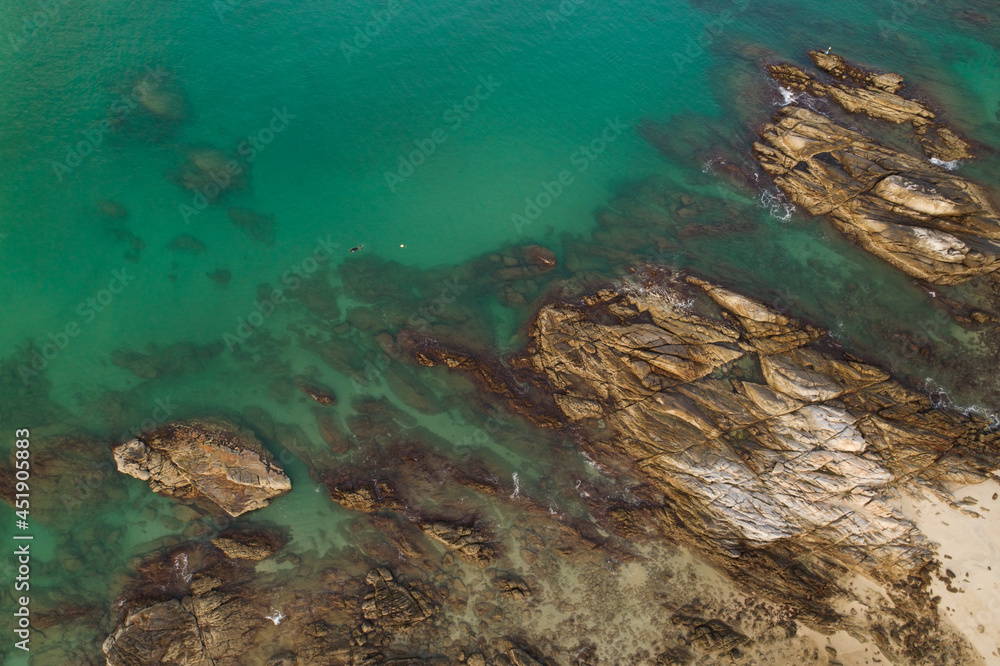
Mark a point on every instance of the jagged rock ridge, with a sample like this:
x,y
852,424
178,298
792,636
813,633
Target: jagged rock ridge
x,y
769,443
917,216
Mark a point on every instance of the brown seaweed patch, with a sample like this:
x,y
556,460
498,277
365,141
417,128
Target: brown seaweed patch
x,y
158,361
258,226
186,243
220,276
210,173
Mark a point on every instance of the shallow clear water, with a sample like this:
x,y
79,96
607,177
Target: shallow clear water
x,y
549,84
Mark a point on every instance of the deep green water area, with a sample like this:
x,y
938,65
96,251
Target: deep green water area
x,y
427,140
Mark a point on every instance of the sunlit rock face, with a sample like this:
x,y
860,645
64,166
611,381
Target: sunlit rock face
x,y
875,94
919,217
212,464
768,444
758,430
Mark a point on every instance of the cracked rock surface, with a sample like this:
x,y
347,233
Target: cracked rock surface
x,y
390,603
758,430
196,631
875,95
767,443
210,463
922,219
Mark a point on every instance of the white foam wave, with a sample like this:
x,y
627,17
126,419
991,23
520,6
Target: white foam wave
x,y
941,398
181,563
789,97
949,165
776,204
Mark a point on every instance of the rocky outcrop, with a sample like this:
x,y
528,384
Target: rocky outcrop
x,y
932,224
837,67
366,496
246,545
768,443
213,464
469,541
766,432
711,635
875,95
390,604
195,631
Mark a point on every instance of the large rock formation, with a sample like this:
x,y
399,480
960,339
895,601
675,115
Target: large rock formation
x,y
769,443
875,95
932,224
390,603
194,631
213,464
765,433
469,541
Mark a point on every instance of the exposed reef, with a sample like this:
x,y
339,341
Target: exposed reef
x,y
212,464
875,94
932,224
766,444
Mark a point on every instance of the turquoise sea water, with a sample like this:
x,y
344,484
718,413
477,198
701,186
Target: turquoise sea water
x,y
550,77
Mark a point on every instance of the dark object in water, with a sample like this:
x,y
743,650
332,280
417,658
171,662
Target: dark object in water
x,y
220,276
357,247
258,226
316,391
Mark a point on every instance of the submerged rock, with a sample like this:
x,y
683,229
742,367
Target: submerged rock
x,y
112,210
220,276
175,358
210,173
162,97
186,243
258,226
212,464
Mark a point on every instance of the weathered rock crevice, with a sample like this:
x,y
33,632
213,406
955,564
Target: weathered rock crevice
x,y
212,464
799,464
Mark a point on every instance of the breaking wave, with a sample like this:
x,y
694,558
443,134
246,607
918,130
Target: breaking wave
x,y
776,204
949,165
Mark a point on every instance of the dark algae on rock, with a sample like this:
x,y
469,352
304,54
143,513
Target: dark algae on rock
x,y
542,398
765,445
